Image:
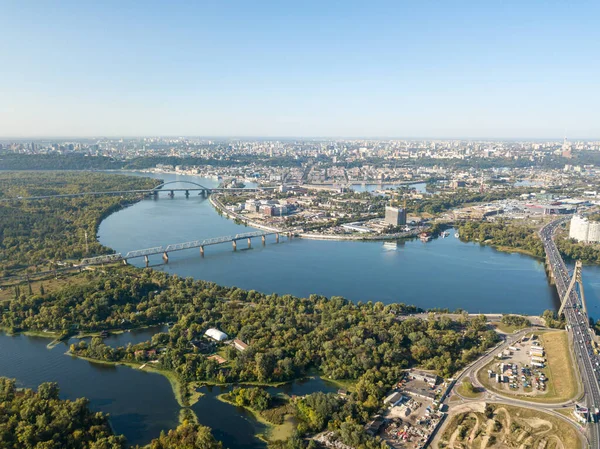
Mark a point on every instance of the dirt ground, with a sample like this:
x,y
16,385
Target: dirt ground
x,y
470,427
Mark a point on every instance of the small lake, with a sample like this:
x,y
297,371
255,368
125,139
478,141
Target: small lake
x,y
140,404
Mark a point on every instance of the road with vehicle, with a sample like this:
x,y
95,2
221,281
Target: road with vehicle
x,y
578,326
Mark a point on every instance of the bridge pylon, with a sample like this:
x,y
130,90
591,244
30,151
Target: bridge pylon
x,y
576,279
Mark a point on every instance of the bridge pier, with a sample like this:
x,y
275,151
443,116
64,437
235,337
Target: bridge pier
x,y
202,251
166,257
249,242
264,240
155,194
147,261
277,237
550,271
187,193
234,243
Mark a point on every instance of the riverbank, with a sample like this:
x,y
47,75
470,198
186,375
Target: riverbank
x,y
312,236
220,207
274,432
505,248
183,396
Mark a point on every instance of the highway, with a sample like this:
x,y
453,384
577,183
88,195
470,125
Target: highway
x,y
578,327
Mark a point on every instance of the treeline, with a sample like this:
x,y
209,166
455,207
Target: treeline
x,y
515,321
288,336
78,161
37,234
41,420
502,234
573,250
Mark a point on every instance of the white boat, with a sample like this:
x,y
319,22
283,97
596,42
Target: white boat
x,y
456,235
390,246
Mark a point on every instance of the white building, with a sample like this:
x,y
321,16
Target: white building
x,y
215,334
583,230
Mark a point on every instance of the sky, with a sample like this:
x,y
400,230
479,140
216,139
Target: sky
x,y
430,69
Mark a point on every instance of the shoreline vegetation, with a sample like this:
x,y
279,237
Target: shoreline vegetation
x,y
273,432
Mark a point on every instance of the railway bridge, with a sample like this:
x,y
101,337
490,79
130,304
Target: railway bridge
x,y
201,244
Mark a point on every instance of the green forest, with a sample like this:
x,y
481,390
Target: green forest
x,y
503,234
571,249
41,420
288,336
35,235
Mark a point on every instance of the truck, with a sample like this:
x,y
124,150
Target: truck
x,y
535,358
513,348
537,364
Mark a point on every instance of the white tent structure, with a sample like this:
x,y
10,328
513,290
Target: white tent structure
x,y
215,334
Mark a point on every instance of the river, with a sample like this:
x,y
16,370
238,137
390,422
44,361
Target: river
x,y
442,273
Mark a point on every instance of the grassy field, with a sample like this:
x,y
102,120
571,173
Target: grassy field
x,y
50,284
467,393
562,384
507,329
562,380
507,427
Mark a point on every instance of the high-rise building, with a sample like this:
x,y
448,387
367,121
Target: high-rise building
x,y
583,230
395,216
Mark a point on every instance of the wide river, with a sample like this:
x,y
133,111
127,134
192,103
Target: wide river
x,y
444,273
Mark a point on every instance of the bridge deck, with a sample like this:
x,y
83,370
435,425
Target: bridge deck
x,y
109,258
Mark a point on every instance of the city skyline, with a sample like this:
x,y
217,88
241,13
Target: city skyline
x,y
381,71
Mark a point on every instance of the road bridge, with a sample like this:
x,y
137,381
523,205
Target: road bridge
x,y
201,244
578,323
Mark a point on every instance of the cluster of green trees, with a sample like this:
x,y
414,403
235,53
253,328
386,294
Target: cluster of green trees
x,y
573,250
41,420
15,161
320,411
36,234
254,398
552,320
502,234
287,335
515,321
30,420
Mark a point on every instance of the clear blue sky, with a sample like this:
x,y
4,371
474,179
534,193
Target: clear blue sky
x,y
313,68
